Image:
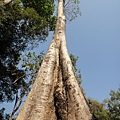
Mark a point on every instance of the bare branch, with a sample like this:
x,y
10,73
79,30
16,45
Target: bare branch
x,y
17,106
19,78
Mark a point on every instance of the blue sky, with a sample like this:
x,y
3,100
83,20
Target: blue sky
x,y
95,38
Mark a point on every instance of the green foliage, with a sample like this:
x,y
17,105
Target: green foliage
x,y
45,9
74,63
98,109
113,104
109,109
31,64
10,47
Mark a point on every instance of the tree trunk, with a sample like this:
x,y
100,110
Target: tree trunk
x,y
56,94
4,2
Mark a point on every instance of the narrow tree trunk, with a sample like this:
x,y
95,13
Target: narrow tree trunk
x,y
56,94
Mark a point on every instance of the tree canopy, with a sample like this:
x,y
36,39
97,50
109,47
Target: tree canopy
x,y
98,110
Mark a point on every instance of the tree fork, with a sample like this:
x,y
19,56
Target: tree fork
x,y
56,94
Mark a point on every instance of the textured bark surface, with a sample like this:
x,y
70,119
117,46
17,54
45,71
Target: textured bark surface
x,y
4,2
56,94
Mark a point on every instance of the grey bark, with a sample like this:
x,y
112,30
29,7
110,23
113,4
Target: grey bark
x,y
56,94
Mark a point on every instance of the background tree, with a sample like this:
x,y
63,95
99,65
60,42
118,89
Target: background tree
x,y
109,109
74,63
98,110
113,105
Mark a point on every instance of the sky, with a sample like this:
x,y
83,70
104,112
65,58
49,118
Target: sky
x,y
95,38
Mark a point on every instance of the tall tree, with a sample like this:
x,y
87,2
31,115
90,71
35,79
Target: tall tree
x,y
56,93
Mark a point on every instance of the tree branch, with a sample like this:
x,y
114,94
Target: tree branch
x,y
19,78
16,107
